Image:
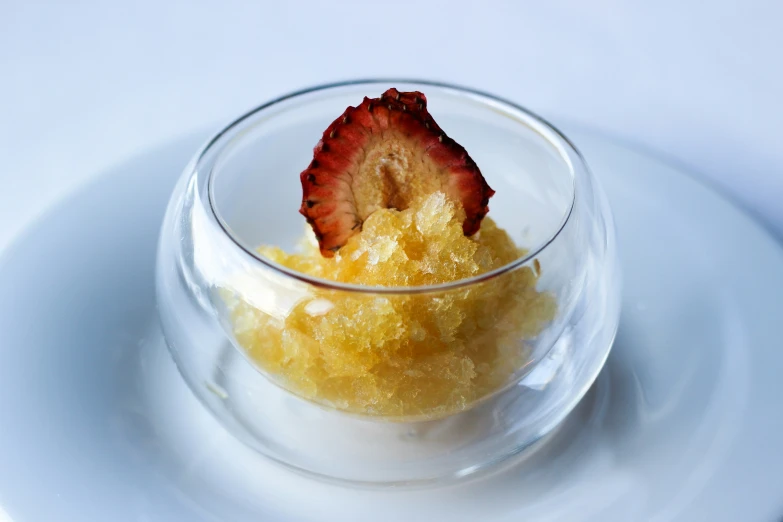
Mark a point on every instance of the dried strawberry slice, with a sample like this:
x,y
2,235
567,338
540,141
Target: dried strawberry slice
x,y
386,153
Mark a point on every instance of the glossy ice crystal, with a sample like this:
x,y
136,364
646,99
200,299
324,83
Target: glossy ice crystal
x,y
401,355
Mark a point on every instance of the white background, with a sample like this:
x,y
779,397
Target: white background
x,y
84,85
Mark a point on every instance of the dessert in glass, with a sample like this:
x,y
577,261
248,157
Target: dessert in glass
x,y
356,312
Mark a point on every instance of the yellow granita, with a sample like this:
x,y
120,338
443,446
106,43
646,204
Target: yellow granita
x,y
401,355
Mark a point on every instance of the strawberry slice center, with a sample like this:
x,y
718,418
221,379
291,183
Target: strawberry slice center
x,y
386,153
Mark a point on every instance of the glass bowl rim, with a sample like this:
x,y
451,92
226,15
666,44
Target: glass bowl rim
x,y
326,284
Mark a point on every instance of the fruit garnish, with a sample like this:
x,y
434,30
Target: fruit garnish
x,y
386,153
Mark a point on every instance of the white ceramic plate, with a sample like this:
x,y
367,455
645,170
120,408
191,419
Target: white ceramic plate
x,y
685,423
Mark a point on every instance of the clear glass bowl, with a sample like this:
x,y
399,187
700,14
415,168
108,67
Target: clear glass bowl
x,y
521,368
